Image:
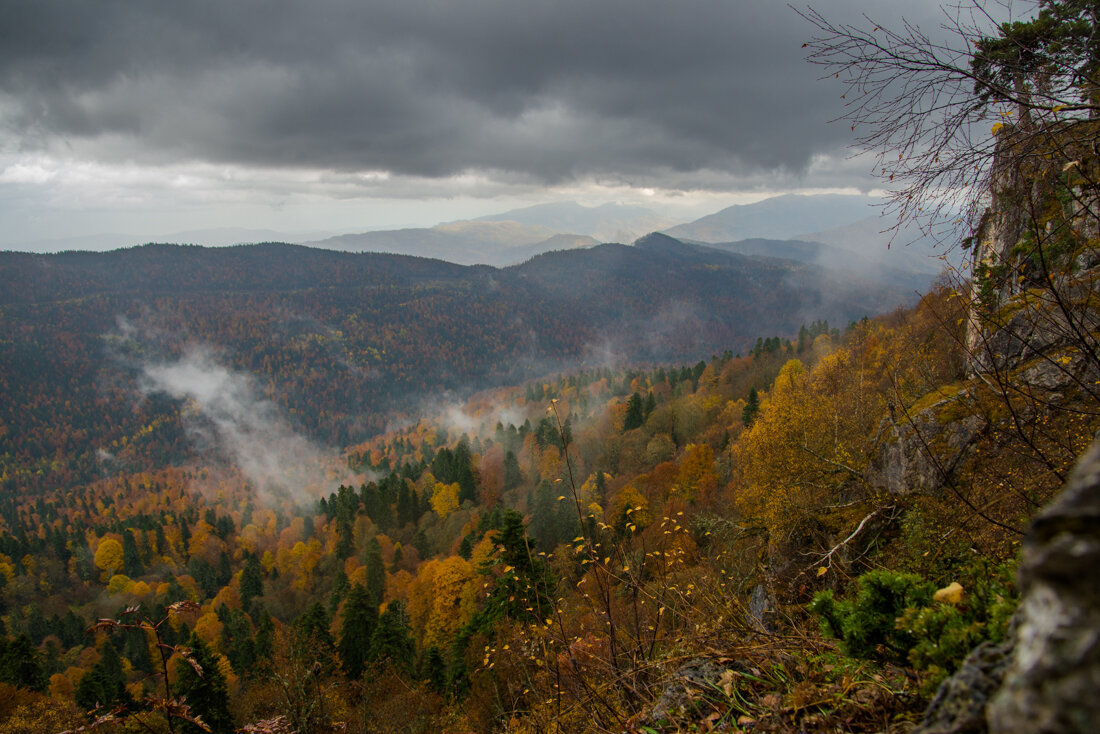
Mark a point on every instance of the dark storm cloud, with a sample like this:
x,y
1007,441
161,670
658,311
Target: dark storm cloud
x,y
542,91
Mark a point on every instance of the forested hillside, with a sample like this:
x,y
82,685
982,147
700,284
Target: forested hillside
x,y
342,343
556,554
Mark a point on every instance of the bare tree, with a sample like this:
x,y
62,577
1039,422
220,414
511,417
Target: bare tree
x,y
944,113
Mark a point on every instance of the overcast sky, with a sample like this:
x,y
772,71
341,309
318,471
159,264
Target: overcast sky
x,y
348,115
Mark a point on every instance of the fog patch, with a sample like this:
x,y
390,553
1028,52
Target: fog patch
x,y
228,419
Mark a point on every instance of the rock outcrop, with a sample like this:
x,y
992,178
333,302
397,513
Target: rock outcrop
x,y
919,455
1053,681
1045,677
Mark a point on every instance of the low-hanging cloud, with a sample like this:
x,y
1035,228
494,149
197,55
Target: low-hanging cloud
x,y
227,417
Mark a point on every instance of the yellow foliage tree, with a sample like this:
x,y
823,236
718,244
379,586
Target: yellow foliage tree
x,y
809,444
445,498
118,584
630,511
108,556
696,480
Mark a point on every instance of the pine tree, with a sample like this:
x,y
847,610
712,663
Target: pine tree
x,y
391,641
205,693
376,572
360,619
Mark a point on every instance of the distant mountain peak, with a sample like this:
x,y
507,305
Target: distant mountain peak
x,y
777,218
659,241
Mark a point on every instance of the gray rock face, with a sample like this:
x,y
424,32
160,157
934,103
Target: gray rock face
x,y
960,704
919,455
689,680
1045,677
1039,333
762,609
1053,683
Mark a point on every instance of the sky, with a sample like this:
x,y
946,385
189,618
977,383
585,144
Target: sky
x,y
148,118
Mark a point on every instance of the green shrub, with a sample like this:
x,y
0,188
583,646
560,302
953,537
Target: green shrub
x,y
867,624
893,617
946,633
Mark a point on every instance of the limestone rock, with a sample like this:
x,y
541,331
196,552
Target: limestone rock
x,y
762,609
1045,676
1054,678
690,680
918,454
960,703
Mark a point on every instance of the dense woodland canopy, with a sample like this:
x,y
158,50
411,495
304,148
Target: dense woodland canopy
x,y
342,342
802,529
543,555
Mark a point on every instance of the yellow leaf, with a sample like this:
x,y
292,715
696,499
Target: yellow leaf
x,y
950,594
822,571
997,127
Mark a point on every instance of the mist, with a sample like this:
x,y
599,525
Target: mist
x,y
227,418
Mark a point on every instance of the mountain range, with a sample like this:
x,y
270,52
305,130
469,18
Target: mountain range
x,y
835,231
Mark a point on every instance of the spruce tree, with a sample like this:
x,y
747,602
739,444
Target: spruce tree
x,y
752,407
205,693
360,619
131,556
376,572
391,641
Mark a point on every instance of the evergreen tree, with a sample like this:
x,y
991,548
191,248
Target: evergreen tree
x,y
21,664
635,413
131,556
345,544
464,472
252,582
314,622
435,670
513,477
105,684
391,640
205,693
265,637
376,573
360,618
340,589
752,407
236,640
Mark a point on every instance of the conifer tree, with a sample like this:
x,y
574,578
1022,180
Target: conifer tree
x,y
131,556
635,413
21,663
391,640
252,582
376,573
314,622
205,693
752,407
360,619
